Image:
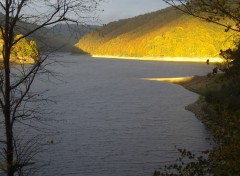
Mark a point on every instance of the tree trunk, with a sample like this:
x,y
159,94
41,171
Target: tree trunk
x,y
7,116
7,108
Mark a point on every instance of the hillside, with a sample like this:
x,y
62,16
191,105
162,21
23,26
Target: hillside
x,y
165,32
60,37
73,31
25,51
46,39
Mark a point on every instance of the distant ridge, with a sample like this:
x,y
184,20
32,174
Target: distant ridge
x,y
73,31
166,32
60,37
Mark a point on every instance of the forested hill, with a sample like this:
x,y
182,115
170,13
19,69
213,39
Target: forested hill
x,y
60,37
73,31
45,38
166,32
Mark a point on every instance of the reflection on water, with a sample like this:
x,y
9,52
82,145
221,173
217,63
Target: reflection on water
x,y
116,124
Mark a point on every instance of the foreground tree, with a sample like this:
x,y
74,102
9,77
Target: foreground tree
x,y
16,81
214,11
223,102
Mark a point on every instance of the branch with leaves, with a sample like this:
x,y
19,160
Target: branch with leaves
x,y
213,11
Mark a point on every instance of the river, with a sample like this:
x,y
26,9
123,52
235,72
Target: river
x,y
113,123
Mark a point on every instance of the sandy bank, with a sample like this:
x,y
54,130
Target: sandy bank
x,y
168,59
197,84
176,80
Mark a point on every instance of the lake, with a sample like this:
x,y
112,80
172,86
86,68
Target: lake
x,y
113,123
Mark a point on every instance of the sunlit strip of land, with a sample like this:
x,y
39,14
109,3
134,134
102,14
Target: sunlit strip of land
x,y
171,80
169,59
197,84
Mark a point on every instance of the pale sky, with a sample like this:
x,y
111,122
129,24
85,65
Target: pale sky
x,y
121,9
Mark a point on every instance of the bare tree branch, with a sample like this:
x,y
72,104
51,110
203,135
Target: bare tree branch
x,y
210,11
15,84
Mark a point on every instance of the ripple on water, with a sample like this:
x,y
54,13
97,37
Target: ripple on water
x,y
114,123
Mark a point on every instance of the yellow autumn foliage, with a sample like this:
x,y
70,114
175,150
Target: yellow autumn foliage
x,y
24,52
163,33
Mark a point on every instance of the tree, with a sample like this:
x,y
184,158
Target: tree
x,y
213,11
223,158
15,84
224,13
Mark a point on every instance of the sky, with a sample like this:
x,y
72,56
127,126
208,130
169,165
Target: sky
x,y
121,9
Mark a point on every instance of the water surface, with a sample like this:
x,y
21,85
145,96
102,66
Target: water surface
x,y
116,124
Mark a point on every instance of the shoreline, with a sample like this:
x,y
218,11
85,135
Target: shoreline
x,y
166,59
197,84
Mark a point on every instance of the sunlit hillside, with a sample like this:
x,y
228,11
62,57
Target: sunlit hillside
x,y
163,33
25,51
46,39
